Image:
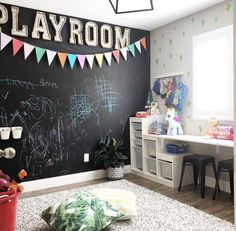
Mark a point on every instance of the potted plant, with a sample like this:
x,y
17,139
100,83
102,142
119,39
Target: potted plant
x,y
110,154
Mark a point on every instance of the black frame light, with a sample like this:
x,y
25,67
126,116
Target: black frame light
x,y
116,7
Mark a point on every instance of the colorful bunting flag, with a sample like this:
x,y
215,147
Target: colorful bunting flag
x,y
72,59
116,54
27,50
90,59
17,44
5,39
99,58
123,51
62,57
50,55
143,42
108,57
138,46
39,53
81,59
132,49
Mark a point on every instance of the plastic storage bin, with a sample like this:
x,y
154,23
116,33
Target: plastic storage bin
x,y
152,166
138,142
166,169
138,135
8,207
137,126
138,158
176,148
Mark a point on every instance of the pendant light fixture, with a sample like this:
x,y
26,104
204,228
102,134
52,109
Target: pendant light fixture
x,y
131,6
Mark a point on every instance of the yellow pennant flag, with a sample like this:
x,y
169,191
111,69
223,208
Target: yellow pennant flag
x,y
99,58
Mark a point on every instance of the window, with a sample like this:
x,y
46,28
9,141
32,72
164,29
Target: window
x,y
213,74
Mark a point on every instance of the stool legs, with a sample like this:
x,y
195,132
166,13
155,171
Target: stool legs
x,y
217,182
182,176
195,174
231,180
202,181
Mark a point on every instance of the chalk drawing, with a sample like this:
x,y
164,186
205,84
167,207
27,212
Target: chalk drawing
x,y
28,160
39,108
37,170
5,96
108,98
123,123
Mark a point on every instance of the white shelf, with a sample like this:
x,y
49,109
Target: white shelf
x,y
169,75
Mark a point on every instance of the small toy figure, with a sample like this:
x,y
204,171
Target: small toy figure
x,y
154,108
212,124
175,127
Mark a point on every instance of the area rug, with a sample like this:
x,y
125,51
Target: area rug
x,y
155,212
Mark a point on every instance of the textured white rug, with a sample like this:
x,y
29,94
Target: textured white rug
x,y
155,212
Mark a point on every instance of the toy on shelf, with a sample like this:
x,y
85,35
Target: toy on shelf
x,y
174,127
224,132
212,124
154,108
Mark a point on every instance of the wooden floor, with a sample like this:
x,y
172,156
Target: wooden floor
x,y
222,207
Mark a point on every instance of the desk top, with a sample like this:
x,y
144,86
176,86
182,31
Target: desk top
x,y
195,139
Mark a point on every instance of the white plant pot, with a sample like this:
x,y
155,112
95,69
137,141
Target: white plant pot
x,y
5,133
16,132
115,173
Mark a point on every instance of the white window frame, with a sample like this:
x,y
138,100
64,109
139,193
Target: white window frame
x,y
226,115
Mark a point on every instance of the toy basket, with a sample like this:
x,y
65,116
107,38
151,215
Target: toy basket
x,y
176,148
8,207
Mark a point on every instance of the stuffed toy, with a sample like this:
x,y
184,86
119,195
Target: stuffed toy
x,y
212,124
175,127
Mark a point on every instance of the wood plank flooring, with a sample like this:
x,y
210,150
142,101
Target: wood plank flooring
x,y
222,207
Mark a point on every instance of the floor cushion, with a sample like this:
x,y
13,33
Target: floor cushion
x,y
122,200
84,212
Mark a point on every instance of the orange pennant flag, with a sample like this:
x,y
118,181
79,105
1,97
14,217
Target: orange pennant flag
x,y
62,57
143,42
17,44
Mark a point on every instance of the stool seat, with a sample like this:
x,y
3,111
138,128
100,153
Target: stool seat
x,y
199,163
225,166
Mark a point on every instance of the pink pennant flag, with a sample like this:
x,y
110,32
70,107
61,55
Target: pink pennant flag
x,y
108,57
81,59
5,39
116,54
17,44
27,50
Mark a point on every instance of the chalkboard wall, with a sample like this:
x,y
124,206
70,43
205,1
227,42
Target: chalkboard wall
x,y
65,112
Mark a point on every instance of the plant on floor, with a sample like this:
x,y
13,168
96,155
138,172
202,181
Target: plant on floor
x,y
110,154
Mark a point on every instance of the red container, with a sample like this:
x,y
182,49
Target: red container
x,y
8,207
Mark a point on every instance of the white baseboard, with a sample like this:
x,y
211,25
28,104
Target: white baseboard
x,y
35,185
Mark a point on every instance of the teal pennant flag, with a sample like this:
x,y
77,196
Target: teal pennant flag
x,y
39,53
132,49
72,59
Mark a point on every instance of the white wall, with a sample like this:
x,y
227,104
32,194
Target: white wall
x,y
171,52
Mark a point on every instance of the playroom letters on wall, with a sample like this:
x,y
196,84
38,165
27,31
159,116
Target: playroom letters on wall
x,y
79,34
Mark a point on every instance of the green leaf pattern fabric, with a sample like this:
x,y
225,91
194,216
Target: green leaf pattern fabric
x,y
83,212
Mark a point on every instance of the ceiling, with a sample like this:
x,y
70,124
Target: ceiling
x,y
101,10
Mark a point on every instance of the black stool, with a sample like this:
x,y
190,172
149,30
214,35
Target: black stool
x,y
199,163
225,166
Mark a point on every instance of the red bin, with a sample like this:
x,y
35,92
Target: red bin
x,y
8,207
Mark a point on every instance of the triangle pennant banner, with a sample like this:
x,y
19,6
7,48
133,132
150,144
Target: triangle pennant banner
x,y
39,53
72,59
90,59
81,59
116,54
50,55
62,57
108,57
123,51
132,49
99,58
5,39
17,44
138,46
143,42
27,50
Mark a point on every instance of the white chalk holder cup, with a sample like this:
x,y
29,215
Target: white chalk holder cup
x,y
16,132
5,133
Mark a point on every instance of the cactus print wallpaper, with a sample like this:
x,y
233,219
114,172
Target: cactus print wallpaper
x,y
171,52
